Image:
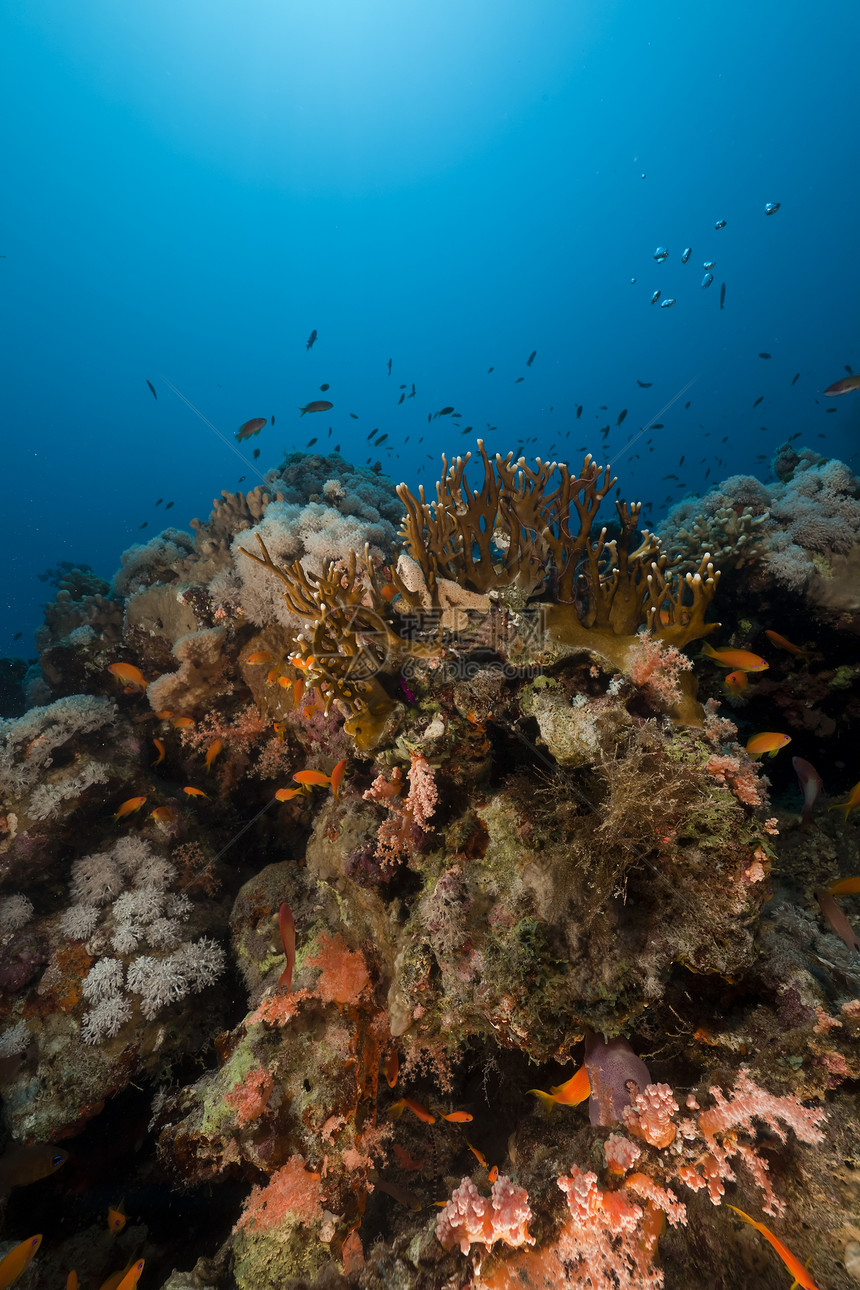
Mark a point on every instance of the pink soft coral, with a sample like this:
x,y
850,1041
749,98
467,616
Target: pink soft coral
x,y
470,1218
655,668
292,1194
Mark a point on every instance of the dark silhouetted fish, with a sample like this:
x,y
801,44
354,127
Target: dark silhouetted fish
x,y
354,416
400,400
795,378
412,395
325,386
167,505
273,419
249,428
256,455
373,432
759,400
381,439
144,525
445,412
310,443
531,358
152,388
579,411
160,500
519,378
687,404
318,405
17,636
389,367
658,425
722,295
645,385
311,339
764,355
621,415
490,369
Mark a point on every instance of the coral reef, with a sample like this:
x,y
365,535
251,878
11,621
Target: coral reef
x,y
475,777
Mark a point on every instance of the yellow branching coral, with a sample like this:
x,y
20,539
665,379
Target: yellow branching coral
x,y
513,541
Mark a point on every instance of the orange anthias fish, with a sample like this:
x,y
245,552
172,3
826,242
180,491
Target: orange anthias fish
x,y
125,1279
259,657
164,815
21,1165
313,778
14,1263
743,659
252,427
845,887
212,752
848,807
571,1093
72,1282
801,1275
182,723
845,386
736,682
479,1155
287,794
129,674
337,776
194,792
128,808
457,1117
160,746
781,643
318,405
392,1067
408,1104
116,1219
287,926
768,742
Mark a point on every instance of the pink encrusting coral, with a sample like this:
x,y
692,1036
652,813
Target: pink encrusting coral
x,y
292,1195
741,777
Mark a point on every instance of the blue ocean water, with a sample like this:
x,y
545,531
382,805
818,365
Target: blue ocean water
x,y
192,189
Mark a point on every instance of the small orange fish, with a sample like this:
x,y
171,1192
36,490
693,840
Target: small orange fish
x,y
280,729
493,1174
405,1160
407,1103
125,1279
272,676
392,1067
781,643
336,777
212,752
742,659
165,714
845,887
312,777
389,592
130,674
736,682
259,657
116,1219
457,1117
791,1261
72,1282
14,1263
287,794
182,723
194,792
571,1093
298,691
21,1165
160,746
849,806
164,815
129,807
479,1155
768,742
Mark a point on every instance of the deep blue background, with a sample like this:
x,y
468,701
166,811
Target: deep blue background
x,y
192,187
